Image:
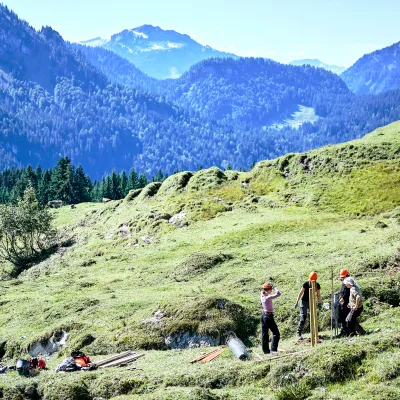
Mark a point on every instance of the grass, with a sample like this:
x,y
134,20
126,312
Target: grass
x,y
320,211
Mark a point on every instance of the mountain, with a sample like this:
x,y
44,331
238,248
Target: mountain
x,y
129,277
376,72
319,64
253,92
158,53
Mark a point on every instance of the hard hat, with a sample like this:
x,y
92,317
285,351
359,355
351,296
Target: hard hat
x,y
267,286
344,273
313,276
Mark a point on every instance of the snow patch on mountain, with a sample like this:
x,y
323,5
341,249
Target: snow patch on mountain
x,y
140,34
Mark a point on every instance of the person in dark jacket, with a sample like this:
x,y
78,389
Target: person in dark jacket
x,y
305,300
343,302
355,306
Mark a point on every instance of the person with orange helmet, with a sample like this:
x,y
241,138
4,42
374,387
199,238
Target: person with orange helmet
x,y
267,318
343,301
304,294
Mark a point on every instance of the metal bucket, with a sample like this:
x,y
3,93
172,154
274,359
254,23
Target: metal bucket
x,y
237,347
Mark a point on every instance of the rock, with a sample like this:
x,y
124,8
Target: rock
x,y
187,340
48,346
180,220
147,239
123,231
155,319
105,200
381,224
109,236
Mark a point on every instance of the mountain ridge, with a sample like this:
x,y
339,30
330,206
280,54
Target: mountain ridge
x,y
158,53
375,72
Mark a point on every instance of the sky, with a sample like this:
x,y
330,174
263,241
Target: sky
x,y
334,31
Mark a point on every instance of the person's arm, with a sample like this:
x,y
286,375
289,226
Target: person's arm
x,y
300,294
275,295
358,299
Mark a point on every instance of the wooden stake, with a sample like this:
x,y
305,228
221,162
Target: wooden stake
x,y
312,316
332,301
203,356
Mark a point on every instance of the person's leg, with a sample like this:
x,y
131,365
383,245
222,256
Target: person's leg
x,y
350,322
357,327
275,333
265,336
303,318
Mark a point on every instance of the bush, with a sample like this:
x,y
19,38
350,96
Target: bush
x,y
25,232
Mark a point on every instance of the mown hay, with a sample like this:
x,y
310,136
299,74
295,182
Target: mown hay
x,y
198,263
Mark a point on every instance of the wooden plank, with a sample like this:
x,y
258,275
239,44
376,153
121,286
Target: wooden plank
x,y
212,356
130,358
203,356
118,356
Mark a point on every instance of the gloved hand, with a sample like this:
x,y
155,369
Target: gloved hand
x,y
319,306
336,303
297,303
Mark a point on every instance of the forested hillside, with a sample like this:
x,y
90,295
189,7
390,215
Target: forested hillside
x,y
375,72
93,106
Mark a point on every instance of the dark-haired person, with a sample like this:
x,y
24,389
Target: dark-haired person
x,y
304,294
267,318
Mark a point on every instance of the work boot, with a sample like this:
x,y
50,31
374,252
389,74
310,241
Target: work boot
x,y
359,329
341,335
298,336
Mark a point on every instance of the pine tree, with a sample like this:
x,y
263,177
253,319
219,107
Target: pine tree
x,y
44,188
133,181
62,181
142,181
115,186
123,179
81,186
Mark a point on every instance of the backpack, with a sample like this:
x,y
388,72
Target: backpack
x,y
67,365
23,367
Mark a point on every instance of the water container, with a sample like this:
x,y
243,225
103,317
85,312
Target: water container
x,y
237,347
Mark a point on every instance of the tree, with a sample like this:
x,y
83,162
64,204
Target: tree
x,y
25,231
123,184
142,181
62,181
132,180
81,186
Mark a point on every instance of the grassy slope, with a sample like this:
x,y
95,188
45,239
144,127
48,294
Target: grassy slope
x,y
286,217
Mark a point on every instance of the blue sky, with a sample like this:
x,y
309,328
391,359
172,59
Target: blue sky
x,y
334,31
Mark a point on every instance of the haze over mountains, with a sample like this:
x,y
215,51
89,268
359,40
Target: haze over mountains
x,y
94,106
158,53
319,64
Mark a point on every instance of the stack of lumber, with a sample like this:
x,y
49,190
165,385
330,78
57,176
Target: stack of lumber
x,y
119,360
212,355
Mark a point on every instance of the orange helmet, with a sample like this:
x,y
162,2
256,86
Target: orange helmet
x,y
267,286
313,276
344,273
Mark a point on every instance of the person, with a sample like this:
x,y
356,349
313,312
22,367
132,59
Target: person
x,y
267,318
343,302
355,305
304,294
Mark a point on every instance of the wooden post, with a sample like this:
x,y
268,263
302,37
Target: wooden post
x,y
313,314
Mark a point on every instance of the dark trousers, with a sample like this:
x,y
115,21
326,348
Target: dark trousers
x,y
303,316
343,313
351,320
268,323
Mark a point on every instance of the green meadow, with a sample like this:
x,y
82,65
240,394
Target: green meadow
x,y
127,278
